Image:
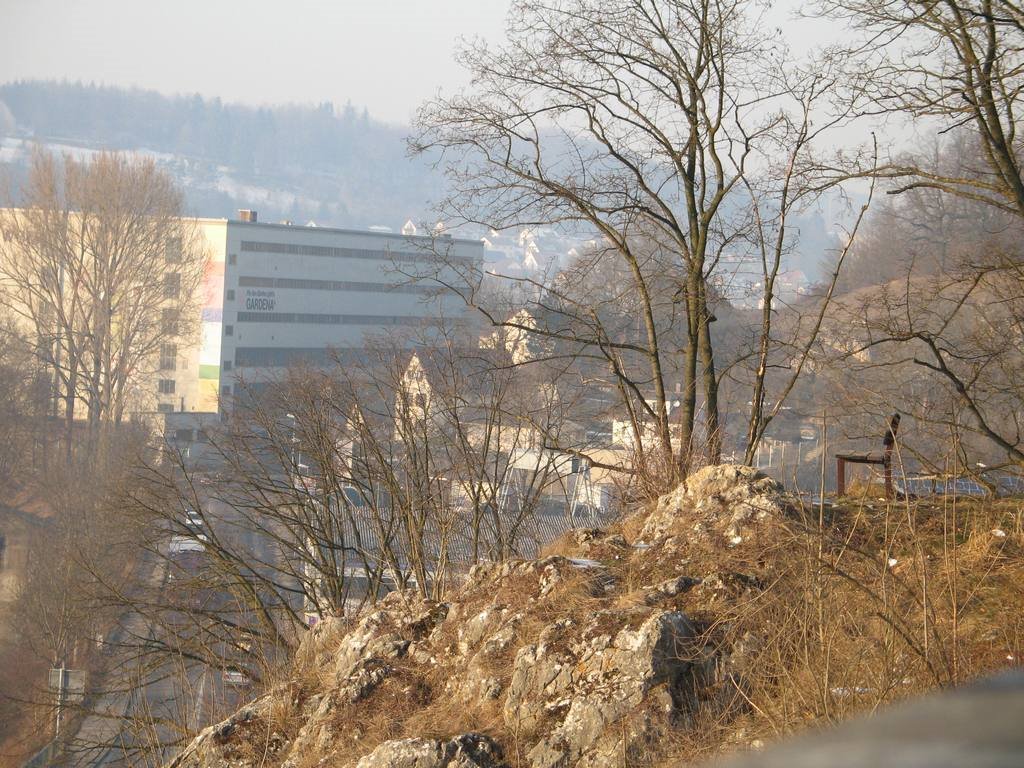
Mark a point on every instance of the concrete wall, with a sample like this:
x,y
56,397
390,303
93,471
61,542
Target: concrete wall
x,y
346,315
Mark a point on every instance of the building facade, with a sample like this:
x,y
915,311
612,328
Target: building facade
x,y
275,295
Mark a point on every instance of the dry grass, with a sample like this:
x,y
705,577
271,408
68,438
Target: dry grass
x,y
816,617
384,714
880,602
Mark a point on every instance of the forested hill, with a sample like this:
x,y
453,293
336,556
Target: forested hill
x,y
334,165
328,163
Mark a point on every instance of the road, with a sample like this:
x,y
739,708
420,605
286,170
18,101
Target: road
x,y
102,732
176,692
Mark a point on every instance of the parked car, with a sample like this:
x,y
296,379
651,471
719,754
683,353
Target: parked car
x,y
186,555
236,678
193,520
182,545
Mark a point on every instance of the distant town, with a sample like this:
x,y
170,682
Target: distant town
x,y
576,384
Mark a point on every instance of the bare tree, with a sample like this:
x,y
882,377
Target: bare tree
x,y
952,70
645,122
82,550
943,346
24,402
945,66
101,269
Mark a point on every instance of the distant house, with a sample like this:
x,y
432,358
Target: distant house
x,y
518,338
415,390
624,434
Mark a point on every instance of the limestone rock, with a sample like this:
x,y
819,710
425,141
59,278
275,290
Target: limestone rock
x,y
585,688
668,589
213,747
721,502
483,640
470,750
316,734
387,631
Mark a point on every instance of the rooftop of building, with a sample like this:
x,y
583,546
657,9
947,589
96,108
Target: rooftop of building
x,y
317,228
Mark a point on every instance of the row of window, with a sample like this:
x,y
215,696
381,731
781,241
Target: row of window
x,y
313,318
277,357
334,285
250,246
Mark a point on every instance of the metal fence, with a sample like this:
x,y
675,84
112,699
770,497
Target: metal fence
x,y
947,485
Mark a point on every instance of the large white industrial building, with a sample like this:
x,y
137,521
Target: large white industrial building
x,y
277,294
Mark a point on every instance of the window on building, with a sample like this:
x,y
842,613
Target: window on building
x,y
231,294
229,330
183,435
232,258
172,250
166,386
226,390
247,281
165,408
227,365
172,285
169,321
168,357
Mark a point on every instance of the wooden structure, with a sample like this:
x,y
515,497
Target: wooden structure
x,y
884,459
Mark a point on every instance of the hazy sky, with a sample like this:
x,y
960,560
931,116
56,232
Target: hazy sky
x,y
386,55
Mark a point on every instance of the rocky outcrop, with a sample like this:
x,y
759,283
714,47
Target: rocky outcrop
x,y
470,750
723,502
594,682
215,746
570,661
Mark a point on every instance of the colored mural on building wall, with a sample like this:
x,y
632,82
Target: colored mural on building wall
x,y
212,321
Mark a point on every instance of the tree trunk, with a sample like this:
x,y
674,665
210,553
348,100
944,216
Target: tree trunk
x,y
711,416
69,411
688,396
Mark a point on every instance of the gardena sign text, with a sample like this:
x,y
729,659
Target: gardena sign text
x,y
259,301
